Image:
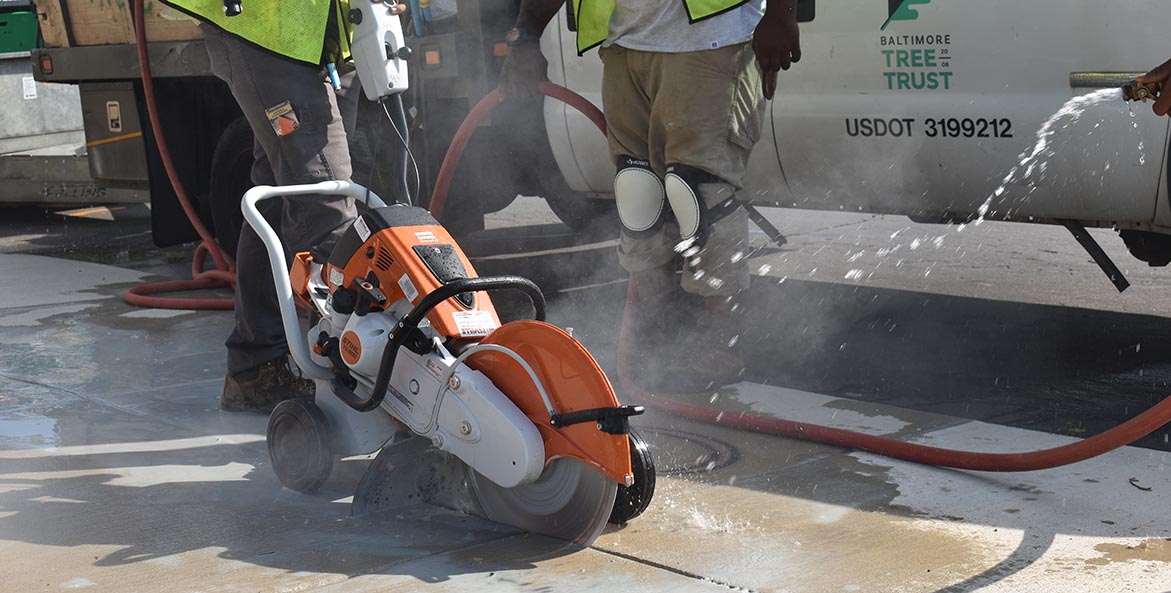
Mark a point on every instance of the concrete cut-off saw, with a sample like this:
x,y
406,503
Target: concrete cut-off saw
x,y
515,422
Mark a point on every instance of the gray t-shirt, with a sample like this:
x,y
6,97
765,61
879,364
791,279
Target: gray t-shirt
x,y
661,25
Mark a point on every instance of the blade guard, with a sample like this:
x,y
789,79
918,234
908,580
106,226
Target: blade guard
x,y
574,382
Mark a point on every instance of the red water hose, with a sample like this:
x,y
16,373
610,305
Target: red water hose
x,y
224,274
1119,436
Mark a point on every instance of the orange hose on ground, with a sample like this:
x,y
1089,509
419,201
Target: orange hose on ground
x,y
224,274
142,295
1119,436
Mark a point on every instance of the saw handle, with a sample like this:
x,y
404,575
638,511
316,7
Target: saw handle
x,y
410,322
610,420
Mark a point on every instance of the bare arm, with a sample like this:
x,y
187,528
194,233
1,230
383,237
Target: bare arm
x,y
526,67
777,41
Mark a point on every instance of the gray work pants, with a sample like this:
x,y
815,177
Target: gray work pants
x,y
315,151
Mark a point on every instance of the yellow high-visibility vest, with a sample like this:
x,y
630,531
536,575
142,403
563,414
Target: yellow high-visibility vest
x,y
291,28
593,17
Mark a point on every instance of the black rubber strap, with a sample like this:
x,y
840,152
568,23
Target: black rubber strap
x,y
708,216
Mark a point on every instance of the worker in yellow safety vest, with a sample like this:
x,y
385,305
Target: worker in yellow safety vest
x,y
684,90
275,57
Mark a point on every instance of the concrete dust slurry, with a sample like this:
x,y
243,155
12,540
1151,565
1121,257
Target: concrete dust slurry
x,y
1157,550
118,473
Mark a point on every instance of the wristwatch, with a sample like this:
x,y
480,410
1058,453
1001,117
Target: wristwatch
x,y
517,36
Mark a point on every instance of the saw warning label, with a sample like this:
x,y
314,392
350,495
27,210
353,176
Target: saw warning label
x,y
474,324
408,287
362,228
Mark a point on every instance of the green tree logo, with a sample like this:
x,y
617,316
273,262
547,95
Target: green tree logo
x,y
903,10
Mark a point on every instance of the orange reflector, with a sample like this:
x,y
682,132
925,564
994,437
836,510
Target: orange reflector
x,y
431,57
500,50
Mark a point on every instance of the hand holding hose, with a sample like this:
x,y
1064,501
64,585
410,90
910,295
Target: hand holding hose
x,y
1160,74
524,70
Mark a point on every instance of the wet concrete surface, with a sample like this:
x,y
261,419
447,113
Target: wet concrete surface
x,y
118,472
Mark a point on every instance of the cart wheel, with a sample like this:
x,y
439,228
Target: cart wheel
x,y
633,500
298,445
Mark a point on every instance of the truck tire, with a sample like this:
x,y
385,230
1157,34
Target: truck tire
x,y
1153,248
578,210
583,213
231,176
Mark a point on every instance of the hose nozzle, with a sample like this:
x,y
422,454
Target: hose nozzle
x,y
1141,91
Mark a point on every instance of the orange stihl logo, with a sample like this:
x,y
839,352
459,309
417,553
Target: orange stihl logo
x,y
351,348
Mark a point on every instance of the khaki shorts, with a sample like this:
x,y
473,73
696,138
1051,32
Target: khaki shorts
x,y
703,109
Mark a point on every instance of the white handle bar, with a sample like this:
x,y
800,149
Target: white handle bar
x,y
298,341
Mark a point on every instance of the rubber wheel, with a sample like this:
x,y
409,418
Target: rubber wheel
x,y
298,445
633,500
231,176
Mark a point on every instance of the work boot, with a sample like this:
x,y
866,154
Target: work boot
x,y
260,388
713,355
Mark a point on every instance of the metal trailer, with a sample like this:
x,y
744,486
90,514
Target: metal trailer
x,y
43,158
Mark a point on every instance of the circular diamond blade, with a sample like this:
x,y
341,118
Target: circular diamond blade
x,y
570,502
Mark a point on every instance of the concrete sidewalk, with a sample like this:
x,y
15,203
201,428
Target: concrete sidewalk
x,y
118,473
